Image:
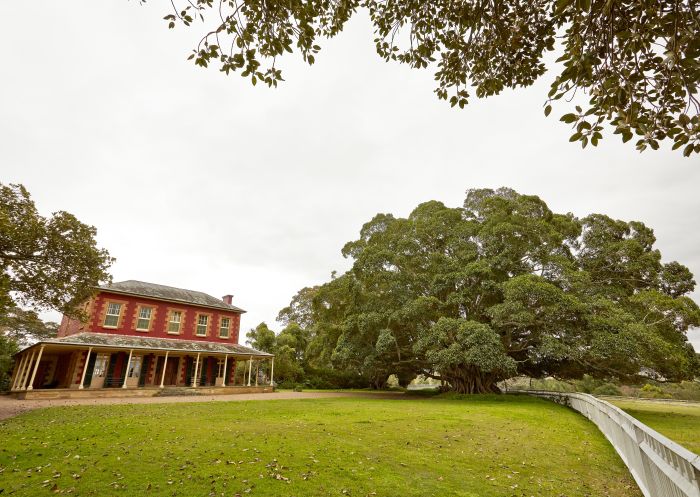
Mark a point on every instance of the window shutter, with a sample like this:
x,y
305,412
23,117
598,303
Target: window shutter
x,y
144,370
90,367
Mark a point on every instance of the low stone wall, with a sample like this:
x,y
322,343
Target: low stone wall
x,y
101,393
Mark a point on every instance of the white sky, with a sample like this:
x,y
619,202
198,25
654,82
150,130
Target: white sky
x,y
201,181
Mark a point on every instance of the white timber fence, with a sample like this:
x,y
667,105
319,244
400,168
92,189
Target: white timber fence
x,y
661,467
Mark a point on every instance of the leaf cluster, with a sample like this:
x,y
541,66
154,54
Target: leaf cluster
x,y
46,262
636,63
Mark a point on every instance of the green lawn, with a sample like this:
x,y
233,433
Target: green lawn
x,y
677,421
486,446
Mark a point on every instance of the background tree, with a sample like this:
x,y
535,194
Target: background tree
x,y
46,263
287,349
8,348
636,62
25,327
262,338
503,286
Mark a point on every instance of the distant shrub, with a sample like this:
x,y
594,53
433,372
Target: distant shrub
x,y
607,389
324,378
653,392
286,385
685,390
298,388
587,384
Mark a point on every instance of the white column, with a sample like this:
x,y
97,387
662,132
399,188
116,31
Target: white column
x,y
223,383
18,374
250,368
162,376
87,361
196,369
126,371
272,372
257,371
36,366
25,372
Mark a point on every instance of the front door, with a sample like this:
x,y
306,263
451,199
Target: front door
x,y
171,368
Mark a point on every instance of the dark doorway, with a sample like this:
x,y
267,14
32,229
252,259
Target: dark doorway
x,y
171,368
144,369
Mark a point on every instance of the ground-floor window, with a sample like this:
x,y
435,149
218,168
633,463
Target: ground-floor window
x,y
135,366
100,365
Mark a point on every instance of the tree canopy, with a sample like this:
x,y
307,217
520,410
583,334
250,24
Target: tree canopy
x,y
46,262
636,64
499,287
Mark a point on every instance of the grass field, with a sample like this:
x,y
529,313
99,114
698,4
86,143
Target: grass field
x,y
677,421
486,446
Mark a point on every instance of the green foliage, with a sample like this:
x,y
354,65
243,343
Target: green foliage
x,y
25,327
288,348
587,384
635,62
460,349
685,390
46,262
607,389
653,392
19,328
261,338
8,347
502,286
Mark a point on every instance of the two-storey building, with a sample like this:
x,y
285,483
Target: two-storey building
x,y
140,338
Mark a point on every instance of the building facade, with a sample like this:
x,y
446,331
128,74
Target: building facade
x,y
141,338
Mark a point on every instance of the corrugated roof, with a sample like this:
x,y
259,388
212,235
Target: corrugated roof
x,y
87,339
163,292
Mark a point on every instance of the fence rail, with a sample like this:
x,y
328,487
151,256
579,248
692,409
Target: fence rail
x,y
661,467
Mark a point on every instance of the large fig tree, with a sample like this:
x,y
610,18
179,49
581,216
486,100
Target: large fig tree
x,y
502,286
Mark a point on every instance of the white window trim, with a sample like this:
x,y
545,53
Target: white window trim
x,y
178,322
198,324
118,315
228,328
139,318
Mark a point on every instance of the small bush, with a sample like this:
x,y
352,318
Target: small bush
x,y
286,385
685,390
653,392
587,384
607,389
298,388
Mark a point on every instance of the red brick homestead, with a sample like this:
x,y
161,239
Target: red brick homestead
x,y
143,339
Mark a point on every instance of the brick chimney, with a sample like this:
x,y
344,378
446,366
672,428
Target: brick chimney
x,y
228,299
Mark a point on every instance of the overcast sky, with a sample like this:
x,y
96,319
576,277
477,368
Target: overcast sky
x,y
198,180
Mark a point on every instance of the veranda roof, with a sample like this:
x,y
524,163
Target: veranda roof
x,y
87,339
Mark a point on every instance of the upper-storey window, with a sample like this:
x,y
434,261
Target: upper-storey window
x,y
202,324
225,327
114,310
143,323
174,321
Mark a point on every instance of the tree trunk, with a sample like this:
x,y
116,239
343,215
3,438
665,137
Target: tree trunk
x,y
378,382
471,381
